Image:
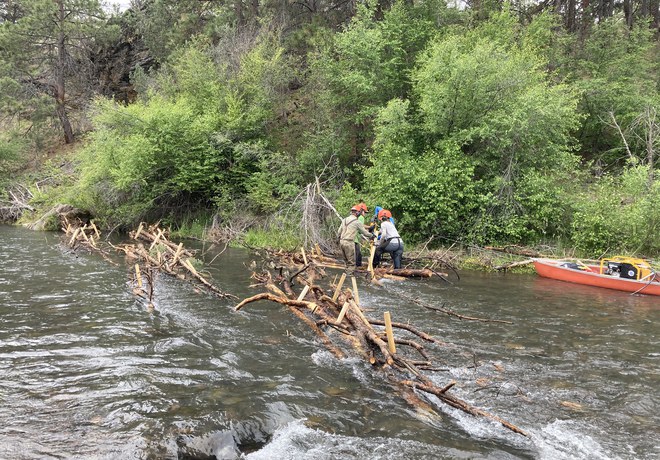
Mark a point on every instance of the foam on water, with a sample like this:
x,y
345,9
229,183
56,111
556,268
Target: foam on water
x,y
566,440
296,441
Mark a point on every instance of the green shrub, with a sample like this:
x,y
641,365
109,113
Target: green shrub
x,y
619,215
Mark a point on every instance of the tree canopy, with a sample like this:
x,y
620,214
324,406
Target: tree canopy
x,y
495,123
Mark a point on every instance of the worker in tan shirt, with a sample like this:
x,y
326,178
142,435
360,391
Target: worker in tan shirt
x,y
348,230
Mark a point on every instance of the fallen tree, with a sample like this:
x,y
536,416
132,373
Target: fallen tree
x,y
152,253
338,319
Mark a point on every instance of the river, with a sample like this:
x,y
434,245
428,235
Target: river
x,y
89,372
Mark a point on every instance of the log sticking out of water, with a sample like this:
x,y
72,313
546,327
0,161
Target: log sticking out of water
x,y
321,260
342,312
79,236
174,260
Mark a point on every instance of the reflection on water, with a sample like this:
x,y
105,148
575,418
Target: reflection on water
x,y
88,372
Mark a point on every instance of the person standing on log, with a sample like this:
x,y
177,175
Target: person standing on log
x,y
348,232
390,241
358,238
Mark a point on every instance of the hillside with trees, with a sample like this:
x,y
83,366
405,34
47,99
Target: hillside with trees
x,y
482,123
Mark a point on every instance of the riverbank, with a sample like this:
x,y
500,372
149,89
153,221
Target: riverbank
x,y
45,185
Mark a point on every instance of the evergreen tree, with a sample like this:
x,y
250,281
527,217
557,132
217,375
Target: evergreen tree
x,y
46,50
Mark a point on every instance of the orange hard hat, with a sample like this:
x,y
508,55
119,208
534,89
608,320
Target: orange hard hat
x,y
384,214
363,207
355,208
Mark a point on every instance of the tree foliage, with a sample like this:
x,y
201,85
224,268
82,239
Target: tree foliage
x,y
189,142
493,123
46,48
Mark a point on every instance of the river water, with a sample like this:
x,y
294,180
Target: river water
x,y
89,372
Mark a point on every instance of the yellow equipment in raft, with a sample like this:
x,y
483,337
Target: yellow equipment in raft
x,y
626,267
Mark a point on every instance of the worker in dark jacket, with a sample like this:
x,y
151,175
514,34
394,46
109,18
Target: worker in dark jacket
x,y
390,241
349,229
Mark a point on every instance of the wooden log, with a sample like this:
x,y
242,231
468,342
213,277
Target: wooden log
x,y
304,256
155,241
137,233
295,303
342,313
462,405
388,331
142,252
138,276
513,264
363,332
73,238
356,295
338,288
358,311
405,272
96,230
372,254
177,253
411,329
451,312
414,345
303,293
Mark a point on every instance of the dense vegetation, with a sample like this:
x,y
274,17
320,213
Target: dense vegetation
x,y
493,123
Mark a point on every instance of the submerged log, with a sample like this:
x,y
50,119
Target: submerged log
x,y
404,272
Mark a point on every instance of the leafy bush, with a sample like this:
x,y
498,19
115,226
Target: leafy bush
x,y
429,193
189,142
619,215
12,148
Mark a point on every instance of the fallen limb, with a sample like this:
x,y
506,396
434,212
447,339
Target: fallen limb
x,y
460,404
451,312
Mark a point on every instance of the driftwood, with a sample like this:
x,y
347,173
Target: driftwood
x,y
320,259
85,237
65,214
449,312
516,250
18,201
339,318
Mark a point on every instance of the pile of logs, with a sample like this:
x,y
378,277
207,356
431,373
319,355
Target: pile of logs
x,y
18,201
152,253
340,322
82,235
336,316
167,257
322,260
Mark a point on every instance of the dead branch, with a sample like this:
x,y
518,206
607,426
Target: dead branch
x,y
451,312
